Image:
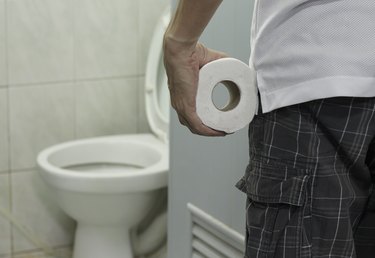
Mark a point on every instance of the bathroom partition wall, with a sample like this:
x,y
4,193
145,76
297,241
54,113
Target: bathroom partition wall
x,y
205,170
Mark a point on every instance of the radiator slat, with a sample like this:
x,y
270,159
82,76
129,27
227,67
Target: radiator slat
x,y
205,249
216,243
211,238
197,255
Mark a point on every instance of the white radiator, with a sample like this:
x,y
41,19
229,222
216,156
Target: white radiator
x,y
211,238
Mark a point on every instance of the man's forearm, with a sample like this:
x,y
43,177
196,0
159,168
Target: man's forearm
x,y
191,18
183,57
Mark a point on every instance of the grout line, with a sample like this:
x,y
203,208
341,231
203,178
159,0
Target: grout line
x,y
10,183
9,142
138,106
58,248
20,170
6,44
7,79
139,47
75,91
18,85
10,207
4,172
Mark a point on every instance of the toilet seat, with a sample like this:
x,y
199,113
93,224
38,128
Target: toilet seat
x,y
148,152
143,150
156,83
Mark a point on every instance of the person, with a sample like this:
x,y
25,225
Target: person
x,y
311,175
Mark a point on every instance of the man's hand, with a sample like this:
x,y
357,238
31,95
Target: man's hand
x,y
182,61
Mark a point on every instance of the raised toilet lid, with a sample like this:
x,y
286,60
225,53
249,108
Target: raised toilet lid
x,y
157,99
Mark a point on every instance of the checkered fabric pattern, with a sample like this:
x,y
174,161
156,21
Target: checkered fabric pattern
x,y
310,181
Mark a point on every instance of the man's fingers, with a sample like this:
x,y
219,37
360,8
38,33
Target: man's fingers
x,y
183,72
202,129
189,118
195,125
208,55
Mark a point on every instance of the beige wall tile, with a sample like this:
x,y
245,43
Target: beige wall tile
x,y
40,116
5,240
3,68
40,36
106,107
35,209
106,38
4,151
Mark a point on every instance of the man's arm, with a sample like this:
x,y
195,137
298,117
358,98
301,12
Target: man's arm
x,y
184,56
190,19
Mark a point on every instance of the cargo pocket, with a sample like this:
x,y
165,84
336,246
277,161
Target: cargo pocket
x,y
276,198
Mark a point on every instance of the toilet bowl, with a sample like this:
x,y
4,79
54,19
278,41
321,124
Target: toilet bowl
x,y
108,184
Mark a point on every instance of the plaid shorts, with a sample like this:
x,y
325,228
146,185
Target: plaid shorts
x,y
310,181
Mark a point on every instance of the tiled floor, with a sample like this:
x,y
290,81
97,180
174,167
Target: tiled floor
x,y
66,252
63,252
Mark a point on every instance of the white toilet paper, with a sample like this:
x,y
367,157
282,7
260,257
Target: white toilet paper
x,y
243,101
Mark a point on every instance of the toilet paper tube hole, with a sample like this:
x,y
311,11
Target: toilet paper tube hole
x,y
225,95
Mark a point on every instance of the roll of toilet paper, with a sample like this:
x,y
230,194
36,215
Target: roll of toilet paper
x,y
239,79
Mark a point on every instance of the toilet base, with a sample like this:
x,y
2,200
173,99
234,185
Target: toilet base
x,y
93,241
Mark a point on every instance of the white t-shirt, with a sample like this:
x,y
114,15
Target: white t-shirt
x,y
310,49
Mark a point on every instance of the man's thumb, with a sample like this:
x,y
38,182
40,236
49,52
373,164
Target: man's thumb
x,y
208,55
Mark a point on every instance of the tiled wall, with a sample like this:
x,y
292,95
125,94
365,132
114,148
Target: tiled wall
x,y
68,69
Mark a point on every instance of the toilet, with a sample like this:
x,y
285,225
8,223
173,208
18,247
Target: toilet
x,y
108,184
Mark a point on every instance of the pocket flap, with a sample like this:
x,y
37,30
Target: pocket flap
x,y
270,185
291,190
